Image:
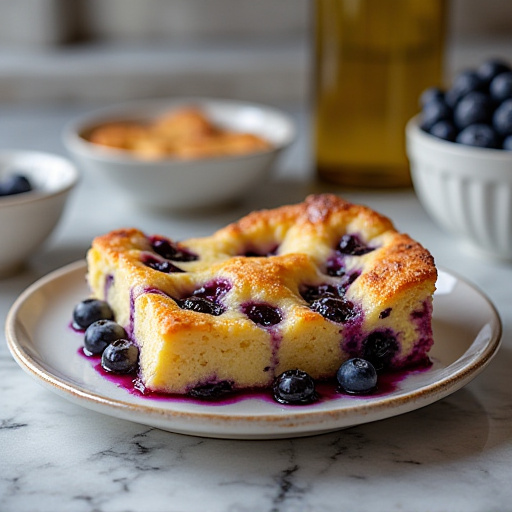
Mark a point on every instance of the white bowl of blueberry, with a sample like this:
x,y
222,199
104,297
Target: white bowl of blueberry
x,y
460,153
34,188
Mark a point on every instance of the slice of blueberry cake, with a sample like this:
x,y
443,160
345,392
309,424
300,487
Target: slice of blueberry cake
x,y
304,286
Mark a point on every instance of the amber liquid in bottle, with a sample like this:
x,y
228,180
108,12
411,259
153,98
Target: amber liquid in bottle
x,y
373,58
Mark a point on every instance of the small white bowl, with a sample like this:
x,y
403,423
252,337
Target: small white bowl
x,y
26,220
466,190
173,183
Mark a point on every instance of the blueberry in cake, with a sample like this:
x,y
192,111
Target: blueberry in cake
x,y
302,287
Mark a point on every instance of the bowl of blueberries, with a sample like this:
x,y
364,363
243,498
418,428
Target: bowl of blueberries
x,y
460,152
34,188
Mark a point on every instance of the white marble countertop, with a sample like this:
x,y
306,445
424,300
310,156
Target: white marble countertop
x,y
454,455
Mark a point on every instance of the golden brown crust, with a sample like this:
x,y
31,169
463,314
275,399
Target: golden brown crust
x,y
397,265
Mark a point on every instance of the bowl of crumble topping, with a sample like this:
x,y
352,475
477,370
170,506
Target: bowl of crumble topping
x,y
180,153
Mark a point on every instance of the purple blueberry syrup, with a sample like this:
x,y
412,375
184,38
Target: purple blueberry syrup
x,y
171,250
327,390
212,390
422,318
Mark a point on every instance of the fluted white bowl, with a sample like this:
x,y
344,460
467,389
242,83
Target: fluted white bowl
x,y
466,190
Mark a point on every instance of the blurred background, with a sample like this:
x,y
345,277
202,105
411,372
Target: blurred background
x,y
112,50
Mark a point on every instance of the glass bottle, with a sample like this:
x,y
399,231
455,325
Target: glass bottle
x,y
373,58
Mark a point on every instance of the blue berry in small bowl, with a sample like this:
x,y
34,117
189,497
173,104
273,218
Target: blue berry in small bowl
x,y
444,130
500,88
89,311
492,68
15,184
464,83
434,112
502,120
507,143
294,387
121,356
431,94
100,334
479,135
474,108
357,376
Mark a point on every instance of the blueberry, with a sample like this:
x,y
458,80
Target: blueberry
x,y
262,314
100,334
212,390
431,94
385,313
335,267
161,265
434,112
213,290
464,83
347,280
89,311
294,387
480,135
474,108
502,120
353,246
507,143
15,184
201,305
171,251
444,130
121,356
500,88
314,292
336,309
357,376
380,348
492,68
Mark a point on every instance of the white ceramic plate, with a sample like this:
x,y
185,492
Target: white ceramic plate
x,y
467,331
